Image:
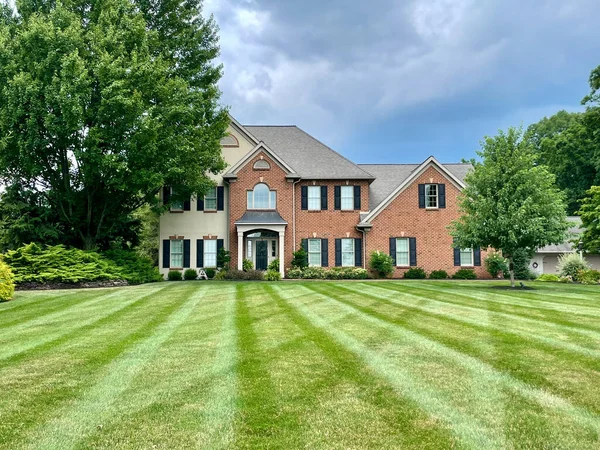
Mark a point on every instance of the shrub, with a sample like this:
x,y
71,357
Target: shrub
x,y
438,275
415,273
589,276
313,273
7,282
174,275
300,259
465,274
210,272
295,273
274,265
134,268
570,264
567,279
223,258
190,274
247,265
494,264
346,273
221,275
272,275
521,260
256,275
548,277
381,264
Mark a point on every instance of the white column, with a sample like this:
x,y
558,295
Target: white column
x,y
281,254
240,249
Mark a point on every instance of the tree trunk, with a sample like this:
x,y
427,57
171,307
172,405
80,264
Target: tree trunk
x,y
89,243
511,270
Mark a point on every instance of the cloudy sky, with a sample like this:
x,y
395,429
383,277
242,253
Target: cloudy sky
x,y
397,81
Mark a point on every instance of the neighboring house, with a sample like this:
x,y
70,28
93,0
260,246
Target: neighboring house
x,y
545,259
284,189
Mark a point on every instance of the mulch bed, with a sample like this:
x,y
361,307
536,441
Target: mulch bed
x,y
88,284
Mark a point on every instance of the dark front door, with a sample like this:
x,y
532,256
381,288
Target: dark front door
x,y
262,255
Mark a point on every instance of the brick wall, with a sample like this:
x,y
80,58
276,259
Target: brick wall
x,y
404,218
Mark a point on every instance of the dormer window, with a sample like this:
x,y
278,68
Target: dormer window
x,y
230,141
261,197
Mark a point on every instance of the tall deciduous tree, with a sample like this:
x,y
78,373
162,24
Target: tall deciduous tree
x,y
102,102
590,219
510,203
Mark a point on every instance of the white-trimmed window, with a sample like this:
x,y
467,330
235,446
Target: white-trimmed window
x,y
176,253
314,252
176,205
402,252
466,256
262,198
210,253
347,197
431,196
348,252
314,198
210,200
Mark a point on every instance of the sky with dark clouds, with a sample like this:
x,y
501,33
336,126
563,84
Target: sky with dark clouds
x,y
388,81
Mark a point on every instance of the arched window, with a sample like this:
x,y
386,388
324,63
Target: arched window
x,y
230,141
262,198
261,164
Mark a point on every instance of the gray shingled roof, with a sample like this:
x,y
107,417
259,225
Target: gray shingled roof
x,y
310,158
567,246
261,217
389,176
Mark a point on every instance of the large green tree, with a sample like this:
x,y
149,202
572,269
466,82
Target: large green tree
x,y
590,219
102,102
510,202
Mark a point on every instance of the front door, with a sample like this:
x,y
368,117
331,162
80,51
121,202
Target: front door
x,y
262,255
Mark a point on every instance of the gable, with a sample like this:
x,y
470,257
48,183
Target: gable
x,y
250,158
235,145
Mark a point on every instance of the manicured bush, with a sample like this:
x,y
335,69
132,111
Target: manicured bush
x,y
438,275
274,265
589,276
300,258
548,277
464,274
134,268
272,275
415,273
223,258
495,263
571,264
256,275
7,282
345,273
221,275
381,264
210,272
234,274
174,275
294,273
190,274
247,265
567,279
313,273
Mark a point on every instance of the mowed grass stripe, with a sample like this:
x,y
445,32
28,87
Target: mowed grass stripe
x,y
556,408
72,424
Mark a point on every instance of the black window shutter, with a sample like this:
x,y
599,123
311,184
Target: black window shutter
x,y
166,194
358,251
324,252
441,195
186,205
220,244
421,196
337,197
323,198
200,206
304,195
477,256
393,249
200,253
338,252
220,198
305,247
412,246
186,253
166,253
357,197
457,256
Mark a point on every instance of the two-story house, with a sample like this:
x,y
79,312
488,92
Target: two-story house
x,y
284,189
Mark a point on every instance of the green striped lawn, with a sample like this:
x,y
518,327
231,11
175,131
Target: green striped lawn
x,y
302,365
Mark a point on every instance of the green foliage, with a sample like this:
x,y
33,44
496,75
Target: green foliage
x,y
381,264
495,264
210,272
590,219
313,273
415,273
464,274
438,275
7,282
223,258
134,268
510,203
174,275
300,258
294,273
190,274
274,265
571,264
521,259
94,95
548,277
588,276
247,265
568,279
221,275
272,275
148,233
234,274
346,273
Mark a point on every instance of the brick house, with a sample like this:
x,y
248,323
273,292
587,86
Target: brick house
x,y
284,189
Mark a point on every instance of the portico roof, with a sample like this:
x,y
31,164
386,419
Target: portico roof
x,y
261,218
